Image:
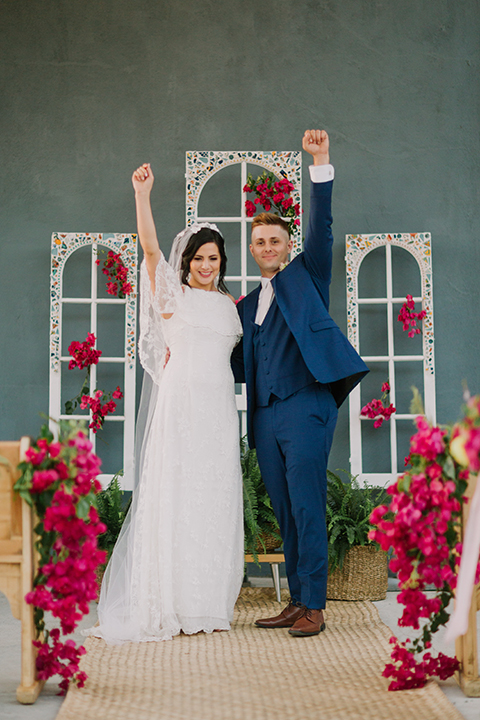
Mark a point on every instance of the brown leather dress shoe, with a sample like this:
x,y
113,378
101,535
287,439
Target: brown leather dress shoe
x,y
311,622
287,617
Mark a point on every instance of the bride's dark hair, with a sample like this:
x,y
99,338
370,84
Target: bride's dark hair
x,y
203,236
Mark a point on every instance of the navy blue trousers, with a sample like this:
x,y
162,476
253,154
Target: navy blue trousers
x,y
293,438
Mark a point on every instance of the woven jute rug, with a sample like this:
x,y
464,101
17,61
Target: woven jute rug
x,y
254,674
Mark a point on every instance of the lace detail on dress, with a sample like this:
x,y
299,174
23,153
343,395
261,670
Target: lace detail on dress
x,y
151,343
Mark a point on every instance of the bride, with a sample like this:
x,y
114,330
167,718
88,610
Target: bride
x,y
178,563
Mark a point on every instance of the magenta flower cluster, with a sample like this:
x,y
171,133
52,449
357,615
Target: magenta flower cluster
x,y
420,524
407,673
274,196
83,354
375,409
409,317
116,273
99,409
100,403
60,480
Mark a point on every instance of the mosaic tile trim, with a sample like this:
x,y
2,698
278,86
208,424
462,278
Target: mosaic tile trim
x,y
203,164
419,245
63,245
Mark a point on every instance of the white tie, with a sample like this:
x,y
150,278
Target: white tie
x,y
264,300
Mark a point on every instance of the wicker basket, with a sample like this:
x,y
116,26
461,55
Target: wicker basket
x,y
271,543
364,575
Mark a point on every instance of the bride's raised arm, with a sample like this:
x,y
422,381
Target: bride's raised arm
x,y
164,281
142,181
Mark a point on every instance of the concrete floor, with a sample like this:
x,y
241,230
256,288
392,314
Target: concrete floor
x,y
48,703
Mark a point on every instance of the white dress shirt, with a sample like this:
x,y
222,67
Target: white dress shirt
x,y
264,300
318,174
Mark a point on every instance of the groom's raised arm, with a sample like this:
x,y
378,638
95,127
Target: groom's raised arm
x,y
318,238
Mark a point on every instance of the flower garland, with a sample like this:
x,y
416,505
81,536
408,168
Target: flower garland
x,y
420,524
375,409
116,272
409,317
59,481
274,196
84,356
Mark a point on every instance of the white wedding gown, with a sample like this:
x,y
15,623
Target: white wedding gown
x,y
178,563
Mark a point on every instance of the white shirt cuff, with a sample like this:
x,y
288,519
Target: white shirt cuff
x,y
321,173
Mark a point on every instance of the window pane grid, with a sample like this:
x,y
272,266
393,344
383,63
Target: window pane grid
x,y
358,247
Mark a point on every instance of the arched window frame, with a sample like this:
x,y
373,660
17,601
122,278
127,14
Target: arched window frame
x,y
202,165
63,246
357,249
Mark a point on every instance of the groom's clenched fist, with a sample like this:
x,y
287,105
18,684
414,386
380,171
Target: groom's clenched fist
x,y
316,143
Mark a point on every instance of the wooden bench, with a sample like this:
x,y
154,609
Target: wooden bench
x,y
275,559
17,563
466,649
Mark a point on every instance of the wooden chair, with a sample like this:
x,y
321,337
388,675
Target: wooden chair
x,y
17,563
466,649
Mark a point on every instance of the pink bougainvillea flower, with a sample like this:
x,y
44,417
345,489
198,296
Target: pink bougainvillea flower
x,y
420,525
117,272
43,479
98,409
274,196
83,354
408,317
66,581
36,457
376,410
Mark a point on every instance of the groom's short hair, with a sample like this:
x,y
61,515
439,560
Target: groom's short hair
x,y
267,218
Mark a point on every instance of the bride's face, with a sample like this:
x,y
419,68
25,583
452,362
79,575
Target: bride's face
x,y
205,267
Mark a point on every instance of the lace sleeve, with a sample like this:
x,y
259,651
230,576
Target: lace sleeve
x,y
151,344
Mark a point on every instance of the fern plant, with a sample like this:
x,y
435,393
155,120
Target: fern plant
x,y
349,507
112,513
258,517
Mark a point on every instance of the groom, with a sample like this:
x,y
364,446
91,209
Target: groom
x,y
299,368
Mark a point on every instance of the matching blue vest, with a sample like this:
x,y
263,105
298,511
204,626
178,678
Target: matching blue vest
x,y
280,369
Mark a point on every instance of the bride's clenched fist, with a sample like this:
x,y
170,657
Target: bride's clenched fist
x,y
142,179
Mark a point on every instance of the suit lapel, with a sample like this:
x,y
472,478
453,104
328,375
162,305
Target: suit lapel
x,y
250,304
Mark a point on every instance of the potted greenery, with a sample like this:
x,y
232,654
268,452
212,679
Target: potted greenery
x,y
111,511
260,524
357,566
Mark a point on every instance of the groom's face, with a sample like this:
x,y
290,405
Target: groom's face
x,y
270,247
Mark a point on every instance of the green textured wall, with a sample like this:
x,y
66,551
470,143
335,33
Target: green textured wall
x,y
91,89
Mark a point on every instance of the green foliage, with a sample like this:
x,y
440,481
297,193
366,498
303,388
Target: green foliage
x,y
112,513
71,405
258,516
416,403
349,507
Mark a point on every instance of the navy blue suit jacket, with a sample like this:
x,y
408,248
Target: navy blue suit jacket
x,y
302,293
